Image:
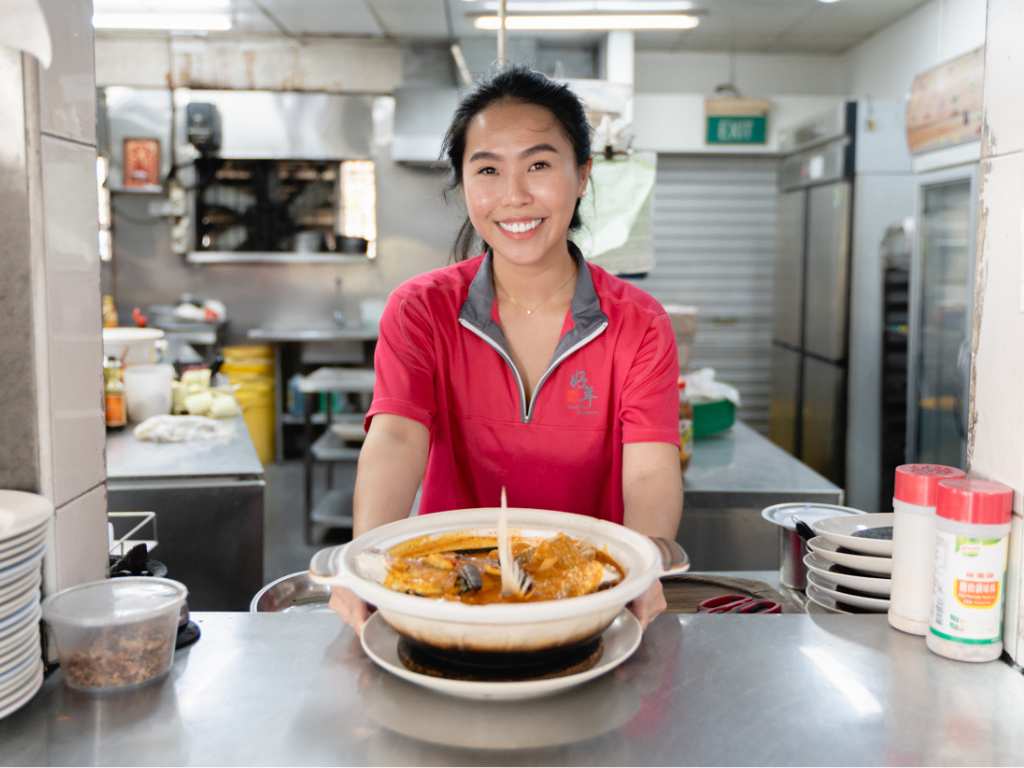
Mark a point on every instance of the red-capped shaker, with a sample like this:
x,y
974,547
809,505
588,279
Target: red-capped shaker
x,y
915,498
971,537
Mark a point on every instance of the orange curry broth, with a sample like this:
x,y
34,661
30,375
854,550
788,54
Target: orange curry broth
x,y
560,567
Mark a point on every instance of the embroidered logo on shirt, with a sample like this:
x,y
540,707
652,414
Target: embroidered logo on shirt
x,y
580,395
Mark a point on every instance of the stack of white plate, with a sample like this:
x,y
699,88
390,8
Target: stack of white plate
x,y
24,524
849,565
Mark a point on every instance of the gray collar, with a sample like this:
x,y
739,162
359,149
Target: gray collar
x,y
585,307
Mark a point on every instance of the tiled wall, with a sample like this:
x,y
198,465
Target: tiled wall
x,y
997,445
53,436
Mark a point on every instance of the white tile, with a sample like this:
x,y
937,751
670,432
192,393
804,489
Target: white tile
x,y
1004,62
67,90
81,539
1014,606
73,332
70,206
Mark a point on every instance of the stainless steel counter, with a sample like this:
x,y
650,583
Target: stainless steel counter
x,y
290,689
208,500
340,333
731,478
740,467
231,455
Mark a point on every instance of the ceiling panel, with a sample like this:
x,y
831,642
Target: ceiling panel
x,y
414,19
796,26
838,26
322,17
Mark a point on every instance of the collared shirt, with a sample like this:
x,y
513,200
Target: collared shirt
x,y
443,361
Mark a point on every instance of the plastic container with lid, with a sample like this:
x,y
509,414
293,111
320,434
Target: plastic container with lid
x,y
970,569
913,542
116,633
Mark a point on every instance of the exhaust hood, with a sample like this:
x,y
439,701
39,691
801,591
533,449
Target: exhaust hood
x,y
422,116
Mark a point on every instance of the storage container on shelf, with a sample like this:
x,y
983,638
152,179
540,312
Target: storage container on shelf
x,y
971,535
913,541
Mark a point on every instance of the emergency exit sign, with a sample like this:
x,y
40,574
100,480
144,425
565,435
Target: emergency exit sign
x,y
736,120
734,129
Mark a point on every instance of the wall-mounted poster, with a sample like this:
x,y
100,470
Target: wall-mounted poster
x,y
945,104
141,163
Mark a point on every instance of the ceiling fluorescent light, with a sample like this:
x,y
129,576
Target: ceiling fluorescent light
x,y
590,22
592,6
176,22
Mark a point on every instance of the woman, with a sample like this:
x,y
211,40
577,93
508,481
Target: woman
x,y
522,367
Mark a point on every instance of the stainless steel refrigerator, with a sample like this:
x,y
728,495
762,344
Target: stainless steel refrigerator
x,y
845,177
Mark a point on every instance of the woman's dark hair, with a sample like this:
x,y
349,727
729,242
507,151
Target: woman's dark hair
x,y
517,83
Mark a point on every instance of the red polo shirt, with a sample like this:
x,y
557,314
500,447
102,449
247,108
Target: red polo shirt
x,y
442,360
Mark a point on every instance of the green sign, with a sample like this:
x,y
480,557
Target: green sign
x,y
735,129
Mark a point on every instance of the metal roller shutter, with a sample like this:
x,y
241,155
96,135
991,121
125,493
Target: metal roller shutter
x,y
714,244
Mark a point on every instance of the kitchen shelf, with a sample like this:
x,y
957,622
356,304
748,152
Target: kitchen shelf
x,y
330,447
349,380
334,509
272,257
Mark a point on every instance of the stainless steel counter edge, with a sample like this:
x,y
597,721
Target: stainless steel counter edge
x,y
292,689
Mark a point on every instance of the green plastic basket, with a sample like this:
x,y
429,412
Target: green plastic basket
x,y
713,417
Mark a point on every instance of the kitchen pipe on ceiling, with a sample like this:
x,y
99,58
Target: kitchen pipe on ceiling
x,y
501,32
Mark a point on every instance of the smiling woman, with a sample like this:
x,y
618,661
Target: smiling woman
x,y
522,366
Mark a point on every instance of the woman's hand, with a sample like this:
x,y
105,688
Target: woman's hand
x,y
650,604
350,607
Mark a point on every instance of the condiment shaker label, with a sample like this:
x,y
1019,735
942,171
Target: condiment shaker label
x,y
968,589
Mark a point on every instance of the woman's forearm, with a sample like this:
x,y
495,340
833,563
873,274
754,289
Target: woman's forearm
x,y
652,489
390,469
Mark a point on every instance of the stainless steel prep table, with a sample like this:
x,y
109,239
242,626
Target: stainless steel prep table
x,y
731,478
208,500
287,689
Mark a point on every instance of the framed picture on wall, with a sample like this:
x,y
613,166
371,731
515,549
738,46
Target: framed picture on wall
x,y
141,163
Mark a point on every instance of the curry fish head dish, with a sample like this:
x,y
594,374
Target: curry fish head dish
x,y
435,578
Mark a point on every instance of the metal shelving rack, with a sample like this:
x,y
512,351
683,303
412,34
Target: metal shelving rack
x,y
334,508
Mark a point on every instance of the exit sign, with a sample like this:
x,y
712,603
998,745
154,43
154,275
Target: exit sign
x,y
736,129
736,120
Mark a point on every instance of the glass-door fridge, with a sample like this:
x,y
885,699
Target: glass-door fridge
x,y
941,304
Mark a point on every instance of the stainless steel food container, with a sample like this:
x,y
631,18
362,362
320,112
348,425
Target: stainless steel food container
x,y
792,547
792,550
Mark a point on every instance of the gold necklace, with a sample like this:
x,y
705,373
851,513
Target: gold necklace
x,y
528,310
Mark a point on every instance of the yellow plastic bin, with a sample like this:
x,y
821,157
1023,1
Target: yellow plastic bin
x,y
250,368
256,399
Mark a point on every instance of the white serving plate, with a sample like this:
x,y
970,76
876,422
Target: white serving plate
x,y
26,540
21,584
502,627
12,644
17,600
621,639
876,585
824,584
14,633
829,550
19,658
15,570
21,513
12,702
14,683
785,515
823,601
20,554
841,530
